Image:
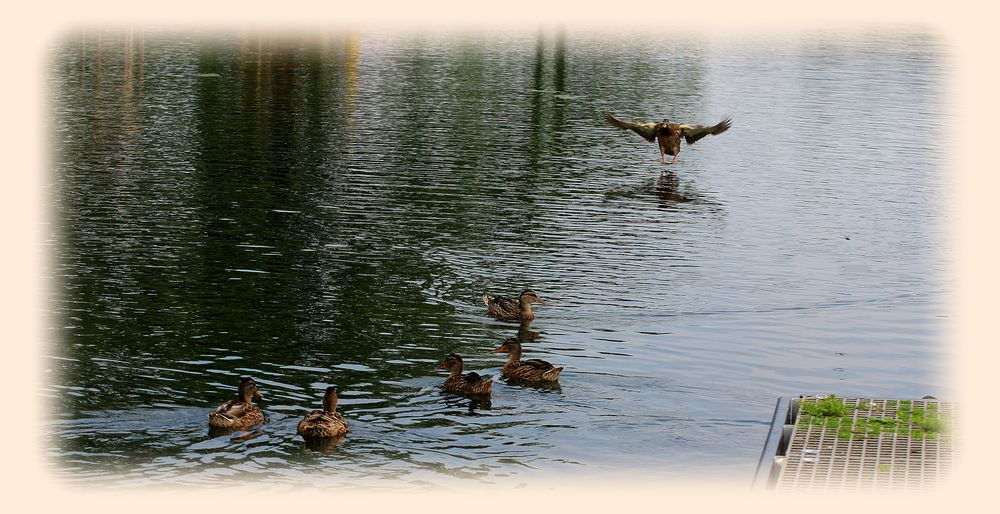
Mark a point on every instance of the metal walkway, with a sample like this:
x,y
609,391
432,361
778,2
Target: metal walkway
x,y
869,445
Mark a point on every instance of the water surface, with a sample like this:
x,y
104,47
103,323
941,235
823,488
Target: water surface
x,y
329,210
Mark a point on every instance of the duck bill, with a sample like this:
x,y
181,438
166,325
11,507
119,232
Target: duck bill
x,y
499,350
543,302
441,366
258,395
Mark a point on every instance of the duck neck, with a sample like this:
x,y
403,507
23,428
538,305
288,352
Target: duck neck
x,y
515,354
456,369
246,395
526,312
330,403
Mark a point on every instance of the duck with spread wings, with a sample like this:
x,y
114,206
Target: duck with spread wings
x,y
669,135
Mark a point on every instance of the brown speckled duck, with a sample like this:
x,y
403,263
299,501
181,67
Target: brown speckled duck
x,y
464,383
505,308
531,370
240,413
324,423
668,135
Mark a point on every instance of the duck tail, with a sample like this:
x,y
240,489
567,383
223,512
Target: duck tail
x,y
552,374
487,299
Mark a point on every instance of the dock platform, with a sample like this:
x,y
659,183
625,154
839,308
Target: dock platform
x,y
841,444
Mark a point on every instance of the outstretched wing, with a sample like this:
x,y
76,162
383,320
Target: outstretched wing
x,y
693,133
646,130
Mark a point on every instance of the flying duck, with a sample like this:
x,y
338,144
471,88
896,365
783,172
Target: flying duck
x,y
668,135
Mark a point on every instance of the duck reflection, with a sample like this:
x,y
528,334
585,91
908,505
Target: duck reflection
x,y
470,403
525,334
324,445
237,435
214,432
668,190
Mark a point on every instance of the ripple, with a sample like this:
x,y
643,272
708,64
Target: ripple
x,y
332,215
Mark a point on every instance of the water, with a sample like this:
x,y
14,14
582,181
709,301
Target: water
x,y
329,210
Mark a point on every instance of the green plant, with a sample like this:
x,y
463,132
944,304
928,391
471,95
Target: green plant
x,y
834,414
828,407
928,421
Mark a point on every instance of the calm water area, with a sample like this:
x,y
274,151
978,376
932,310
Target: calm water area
x,y
329,209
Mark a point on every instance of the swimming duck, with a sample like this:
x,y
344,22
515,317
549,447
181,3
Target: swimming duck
x,y
240,413
467,383
324,423
505,308
531,370
668,135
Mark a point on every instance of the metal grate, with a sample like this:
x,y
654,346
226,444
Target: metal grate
x,y
874,448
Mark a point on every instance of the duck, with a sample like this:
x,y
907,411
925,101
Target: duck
x,y
324,423
531,370
464,383
509,309
668,135
240,413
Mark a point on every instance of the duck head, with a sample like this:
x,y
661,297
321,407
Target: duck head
x,y
452,363
511,346
528,296
248,390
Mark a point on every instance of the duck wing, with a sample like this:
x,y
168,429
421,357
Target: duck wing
x,y
503,302
538,364
316,415
501,306
225,406
472,377
646,130
693,133
233,409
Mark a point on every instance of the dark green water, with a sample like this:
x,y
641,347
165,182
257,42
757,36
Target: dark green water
x,y
330,209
